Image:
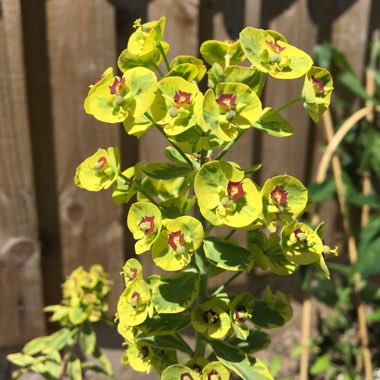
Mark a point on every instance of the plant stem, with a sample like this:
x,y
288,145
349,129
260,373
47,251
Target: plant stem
x,y
227,148
177,148
288,104
230,234
164,56
159,71
223,286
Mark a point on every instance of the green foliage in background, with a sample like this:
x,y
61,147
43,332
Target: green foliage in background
x,y
72,350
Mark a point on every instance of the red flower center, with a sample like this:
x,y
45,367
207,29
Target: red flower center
x,y
275,46
278,196
299,234
102,161
227,100
186,376
176,239
135,299
147,224
182,98
318,85
117,86
235,190
132,274
213,375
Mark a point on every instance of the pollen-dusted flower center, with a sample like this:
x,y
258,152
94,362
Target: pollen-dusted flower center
x,y
241,314
213,375
117,86
182,98
279,196
235,190
102,164
176,240
299,234
147,224
318,85
135,299
211,316
186,376
132,274
227,100
275,46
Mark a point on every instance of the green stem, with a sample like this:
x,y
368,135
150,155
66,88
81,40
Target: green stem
x,y
223,286
227,148
177,148
159,71
139,189
164,56
230,234
288,104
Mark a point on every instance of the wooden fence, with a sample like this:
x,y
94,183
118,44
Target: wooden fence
x,y
49,52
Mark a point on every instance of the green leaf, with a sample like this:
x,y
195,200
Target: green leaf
x,y
77,315
59,340
238,361
176,207
87,339
273,123
253,168
227,255
21,360
373,316
320,365
103,360
167,341
256,341
173,294
74,368
36,345
321,191
89,366
163,324
167,170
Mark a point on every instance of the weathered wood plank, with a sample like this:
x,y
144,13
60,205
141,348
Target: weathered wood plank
x,y
21,316
288,154
81,40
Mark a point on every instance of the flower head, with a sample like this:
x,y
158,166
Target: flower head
x,y
226,100
182,98
279,196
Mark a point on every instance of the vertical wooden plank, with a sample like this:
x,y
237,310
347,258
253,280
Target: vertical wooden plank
x,y
81,44
181,32
21,316
287,154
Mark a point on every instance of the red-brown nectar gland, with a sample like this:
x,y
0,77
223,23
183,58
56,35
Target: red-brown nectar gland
x,y
300,235
135,299
213,375
147,224
211,316
275,46
318,85
186,376
132,274
176,241
241,314
279,197
235,190
227,101
98,79
144,352
182,98
117,86
102,164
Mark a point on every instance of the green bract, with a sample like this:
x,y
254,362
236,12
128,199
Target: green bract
x,y
178,105
117,98
284,199
139,357
132,271
301,244
211,319
241,312
134,304
225,196
177,371
126,185
270,53
144,221
176,243
200,68
98,171
316,92
233,106
224,53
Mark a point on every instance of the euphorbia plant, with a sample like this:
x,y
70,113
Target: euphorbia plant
x,y
181,203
